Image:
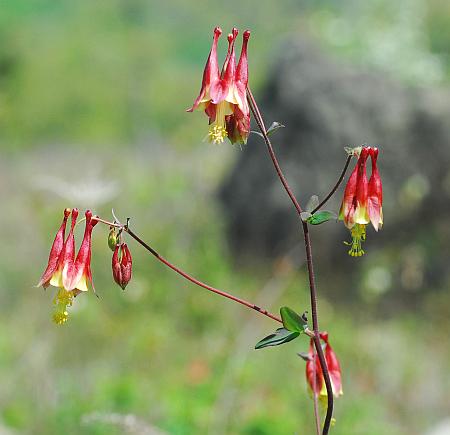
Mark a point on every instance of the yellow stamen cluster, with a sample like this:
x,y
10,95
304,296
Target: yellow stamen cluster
x,y
217,134
62,301
217,131
358,237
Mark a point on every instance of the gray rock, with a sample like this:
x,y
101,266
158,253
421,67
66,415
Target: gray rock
x,y
325,106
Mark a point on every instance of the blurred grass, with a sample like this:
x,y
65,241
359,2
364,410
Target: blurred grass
x,y
113,79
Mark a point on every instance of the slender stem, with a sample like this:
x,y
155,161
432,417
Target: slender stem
x,y
189,277
312,286
333,190
262,127
313,293
315,398
111,224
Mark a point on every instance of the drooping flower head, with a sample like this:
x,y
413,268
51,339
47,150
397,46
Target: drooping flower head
x,y
317,386
362,202
354,204
223,95
55,252
122,265
69,273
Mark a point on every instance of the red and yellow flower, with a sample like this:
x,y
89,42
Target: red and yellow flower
x,y
223,95
317,386
362,202
69,273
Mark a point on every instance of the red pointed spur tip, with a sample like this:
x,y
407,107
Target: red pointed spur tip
x,y
219,89
231,39
365,152
241,77
55,252
74,215
210,73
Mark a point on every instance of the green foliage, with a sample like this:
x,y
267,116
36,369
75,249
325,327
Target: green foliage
x,y
320,217
292,321
280,336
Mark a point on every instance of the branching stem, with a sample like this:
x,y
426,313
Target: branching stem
x,y
186,275
333,190
312,286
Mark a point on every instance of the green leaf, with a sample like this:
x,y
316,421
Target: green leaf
x,y
321,216
312,203
292,321
280,336
274,127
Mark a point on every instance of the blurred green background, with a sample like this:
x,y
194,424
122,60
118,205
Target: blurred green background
x,y
92,114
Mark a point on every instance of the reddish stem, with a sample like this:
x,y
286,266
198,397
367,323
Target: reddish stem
x,y
186,275
312,286
333,190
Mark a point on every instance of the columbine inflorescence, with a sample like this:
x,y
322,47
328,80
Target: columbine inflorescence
x,y
223,95
362,202
69,273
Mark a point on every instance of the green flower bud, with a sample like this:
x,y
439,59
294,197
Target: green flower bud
x,y
112,239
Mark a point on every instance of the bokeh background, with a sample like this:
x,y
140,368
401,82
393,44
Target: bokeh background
x,y
92,114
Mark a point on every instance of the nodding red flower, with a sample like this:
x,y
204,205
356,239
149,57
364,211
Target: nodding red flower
x,y
223,95
318,386
77,272
362,202
55,252
71,274
375,193
122,265
354,204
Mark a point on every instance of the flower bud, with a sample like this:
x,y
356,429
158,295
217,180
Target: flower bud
x,y
112,239
121,265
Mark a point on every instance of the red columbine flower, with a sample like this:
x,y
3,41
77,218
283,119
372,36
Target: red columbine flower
x,y
354,208
121,265
68,273
375,193
363,200
55,252
223,96
318,386
77,273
